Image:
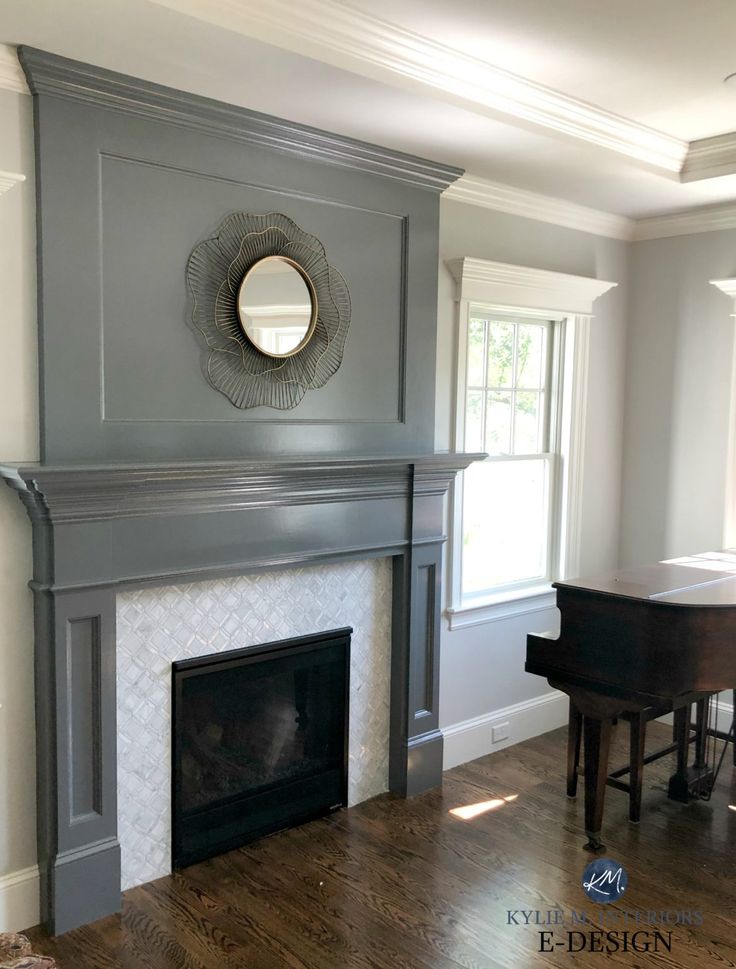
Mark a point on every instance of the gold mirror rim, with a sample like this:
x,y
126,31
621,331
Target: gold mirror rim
x,y
313,296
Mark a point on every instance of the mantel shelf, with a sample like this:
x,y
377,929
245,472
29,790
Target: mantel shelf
x,y
94,492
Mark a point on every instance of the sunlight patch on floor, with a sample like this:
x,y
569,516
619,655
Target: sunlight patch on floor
x,y
469,811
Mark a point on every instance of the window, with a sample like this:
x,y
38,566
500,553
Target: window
x,y
511,409
523,337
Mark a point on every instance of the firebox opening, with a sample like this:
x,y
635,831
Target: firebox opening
x,y
260,741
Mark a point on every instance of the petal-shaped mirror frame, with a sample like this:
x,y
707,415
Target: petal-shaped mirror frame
x,y
235,366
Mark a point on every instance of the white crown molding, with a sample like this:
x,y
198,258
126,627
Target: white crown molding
x,y
8,180
709,158
357,41
709,219
705,158
543,208
546,208
519,286
12,77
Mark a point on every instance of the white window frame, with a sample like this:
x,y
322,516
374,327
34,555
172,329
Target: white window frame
x,y
555,337
502,288
728,286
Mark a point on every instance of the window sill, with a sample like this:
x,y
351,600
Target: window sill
x,y
505,605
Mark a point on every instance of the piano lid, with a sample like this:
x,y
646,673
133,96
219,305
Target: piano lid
x,y
705,579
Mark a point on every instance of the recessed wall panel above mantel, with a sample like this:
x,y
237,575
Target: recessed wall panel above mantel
x,y
144,300
131,177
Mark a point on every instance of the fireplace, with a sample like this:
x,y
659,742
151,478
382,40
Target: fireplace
x,y
260,741
159,626
151,489
103,533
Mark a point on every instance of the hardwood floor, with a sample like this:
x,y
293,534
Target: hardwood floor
x,y
396,884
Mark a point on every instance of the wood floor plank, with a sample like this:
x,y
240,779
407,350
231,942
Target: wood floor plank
x,y
419,924
405,884
313,896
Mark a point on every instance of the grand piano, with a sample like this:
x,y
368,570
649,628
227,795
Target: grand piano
x,y
639,643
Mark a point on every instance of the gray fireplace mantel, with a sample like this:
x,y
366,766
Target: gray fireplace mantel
x,y
130,177
97,528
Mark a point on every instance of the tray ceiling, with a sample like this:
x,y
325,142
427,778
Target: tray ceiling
x,y
595,104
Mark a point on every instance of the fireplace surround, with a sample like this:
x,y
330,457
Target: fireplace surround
x,y
150,478
101,529
158,626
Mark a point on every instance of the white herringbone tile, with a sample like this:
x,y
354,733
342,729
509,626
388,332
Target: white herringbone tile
x,y
157,626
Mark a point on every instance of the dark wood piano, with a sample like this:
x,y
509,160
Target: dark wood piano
x,y
653,639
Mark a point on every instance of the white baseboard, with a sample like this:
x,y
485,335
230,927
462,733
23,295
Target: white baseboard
x,y
472,738
19,893
724,710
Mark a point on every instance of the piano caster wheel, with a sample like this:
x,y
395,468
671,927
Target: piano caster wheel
x,y
593,843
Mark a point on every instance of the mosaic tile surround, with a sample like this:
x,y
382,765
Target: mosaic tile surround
x,y
156,626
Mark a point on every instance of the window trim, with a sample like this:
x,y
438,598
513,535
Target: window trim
x,y
502,288
728,286
549,454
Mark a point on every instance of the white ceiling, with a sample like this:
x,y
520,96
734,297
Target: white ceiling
x,y
658,63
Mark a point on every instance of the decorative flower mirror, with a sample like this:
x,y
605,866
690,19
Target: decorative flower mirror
x,y
273,313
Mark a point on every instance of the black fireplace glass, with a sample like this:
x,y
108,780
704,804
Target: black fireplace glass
x,y
260,741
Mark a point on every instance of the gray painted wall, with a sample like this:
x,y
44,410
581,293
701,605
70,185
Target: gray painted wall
x,y
679,373
482,667
125,196
19,440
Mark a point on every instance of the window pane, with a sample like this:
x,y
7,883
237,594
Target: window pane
x,y
474,421
498,422
530,360
505,516
528,436
476,352
500,354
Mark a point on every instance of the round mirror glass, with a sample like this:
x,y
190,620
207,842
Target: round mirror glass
x,y
277,306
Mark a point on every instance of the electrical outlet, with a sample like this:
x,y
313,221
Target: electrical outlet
x,y
499,732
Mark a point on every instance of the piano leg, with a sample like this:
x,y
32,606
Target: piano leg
x,y
574,735
678,788
733,741
690,781
701,726
596,746
637,727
